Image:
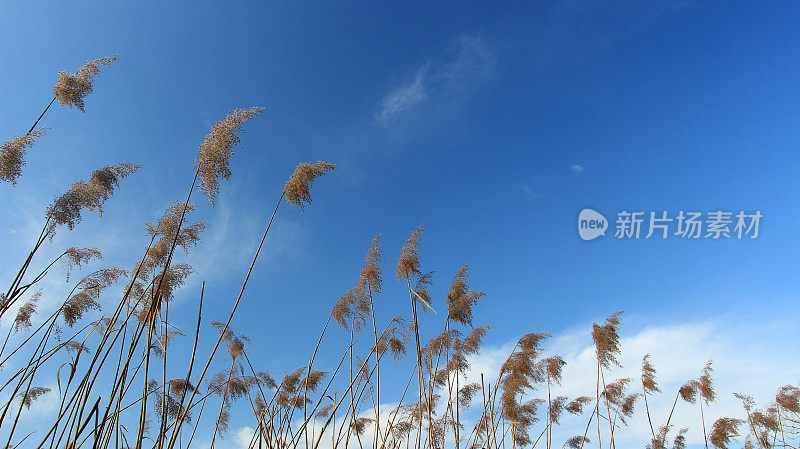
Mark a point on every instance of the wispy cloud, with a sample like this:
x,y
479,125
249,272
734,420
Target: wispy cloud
x,y
440,86
577,169
403,98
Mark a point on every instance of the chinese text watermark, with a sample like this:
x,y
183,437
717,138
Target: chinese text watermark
x,y
713,225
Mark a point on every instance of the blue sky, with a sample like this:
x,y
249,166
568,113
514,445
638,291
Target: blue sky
x,y
467,117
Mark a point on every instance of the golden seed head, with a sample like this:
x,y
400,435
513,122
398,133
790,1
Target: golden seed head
x,y
213,157
12,155
408,264
70,89
66,209
298,189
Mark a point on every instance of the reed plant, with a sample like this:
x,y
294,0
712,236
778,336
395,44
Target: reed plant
x,y
115,375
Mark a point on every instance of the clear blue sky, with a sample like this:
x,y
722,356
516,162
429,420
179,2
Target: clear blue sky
x,y
467,117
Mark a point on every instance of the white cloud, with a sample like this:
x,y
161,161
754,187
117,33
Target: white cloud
x,y
440,86
577,169
403,98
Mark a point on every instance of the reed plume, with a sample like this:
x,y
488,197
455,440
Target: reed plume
x,y
32,394
606,340
705,385
680,439
788,398
70,90
25,313
298,189
67,208
76,257
649,383
12,155
575,406
723,430
460,299
576,442
408,264
213,158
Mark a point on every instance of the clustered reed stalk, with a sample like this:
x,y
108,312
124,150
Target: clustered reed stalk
x,y
110,392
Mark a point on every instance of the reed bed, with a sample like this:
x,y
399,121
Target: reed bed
x,y
114,383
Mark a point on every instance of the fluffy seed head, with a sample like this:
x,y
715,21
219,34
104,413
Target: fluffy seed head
x,y
460,298
213,158
66,209
705,384
32,394
576,442
680,439
166,231
606,340
723,430
408,264
649,376
12,155
371,273
298,189
553,367
688,391
556,408
576,405
788,398
23,319
70,89
75,257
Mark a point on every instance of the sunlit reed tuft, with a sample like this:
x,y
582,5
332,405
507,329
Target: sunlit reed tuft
x,y
213,158
298,189
12,155
67,208
70,90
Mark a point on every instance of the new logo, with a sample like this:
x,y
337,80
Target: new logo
x,y
591,224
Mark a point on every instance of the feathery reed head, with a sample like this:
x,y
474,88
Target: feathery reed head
x,y
723,430
705,384
408,264
70,89
170,230
788,398
213,158
688,391
460,298
298,189
25,313
85,299
179,387
576,405
553,367
66,209
556,408
659,440
576,442
370,275
32,394
76,347
352,309
649,376
680,439
12,155
614,392
626,407
78,305
606,340
75,257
